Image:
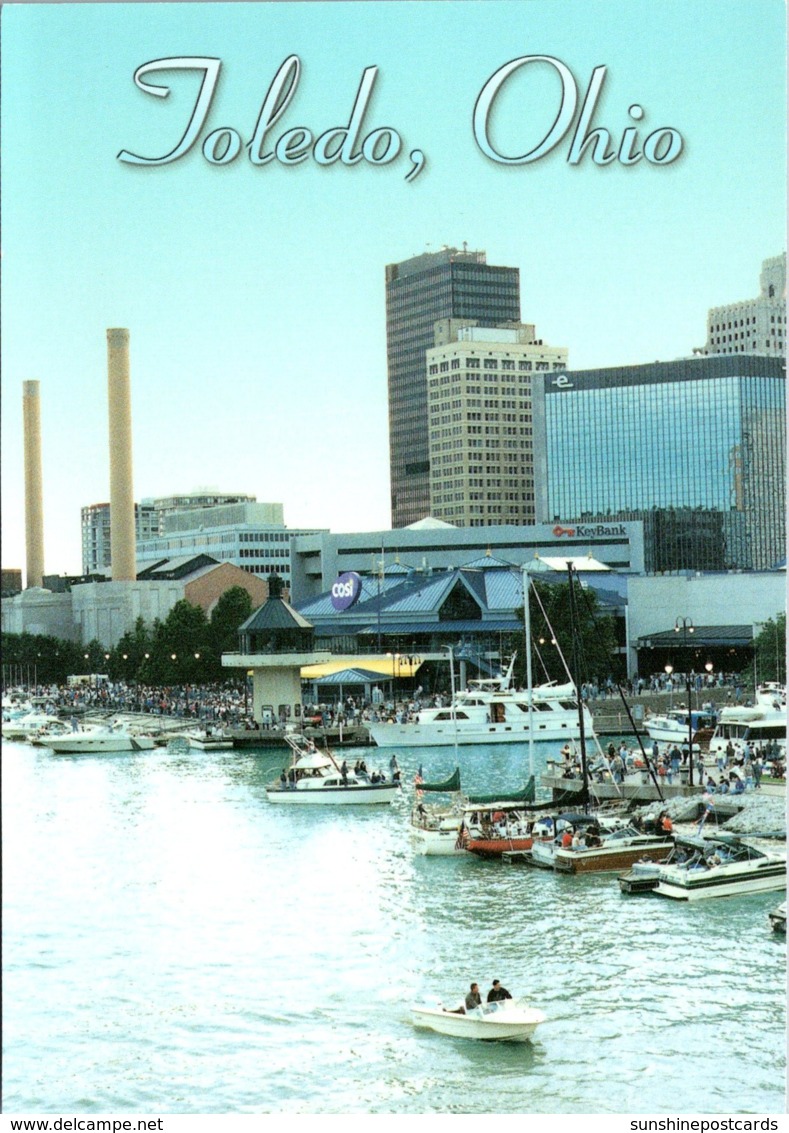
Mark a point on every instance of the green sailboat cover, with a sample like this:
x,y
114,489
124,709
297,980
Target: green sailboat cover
x,y
527,795
450,784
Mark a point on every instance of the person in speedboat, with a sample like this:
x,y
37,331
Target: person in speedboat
x,y
497,993
473,998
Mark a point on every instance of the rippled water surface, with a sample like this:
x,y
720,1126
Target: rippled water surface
x,y
175,944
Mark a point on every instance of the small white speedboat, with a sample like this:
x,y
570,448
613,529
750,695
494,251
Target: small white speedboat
x,y
208,739
723,866
509,1020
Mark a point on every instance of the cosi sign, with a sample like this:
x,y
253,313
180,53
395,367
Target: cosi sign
x,y
589,530
346,590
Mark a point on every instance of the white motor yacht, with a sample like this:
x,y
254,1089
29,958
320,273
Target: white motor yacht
x,y
490,711
761,723
97,741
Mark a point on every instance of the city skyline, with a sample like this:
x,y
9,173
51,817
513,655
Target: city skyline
x,y
254,295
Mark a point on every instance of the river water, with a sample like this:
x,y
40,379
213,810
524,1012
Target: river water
x,y
175,944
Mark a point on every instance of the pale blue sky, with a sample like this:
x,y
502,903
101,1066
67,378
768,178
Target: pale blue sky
x,y
254,294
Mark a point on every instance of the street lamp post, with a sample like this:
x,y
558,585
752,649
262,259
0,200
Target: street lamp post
x,y
687,626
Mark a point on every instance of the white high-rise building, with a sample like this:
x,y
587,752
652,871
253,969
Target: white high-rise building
x,y
485,421
150,516
96,535
752,326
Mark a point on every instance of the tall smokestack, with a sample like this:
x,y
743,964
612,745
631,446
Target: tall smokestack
x,y
34,507
122,535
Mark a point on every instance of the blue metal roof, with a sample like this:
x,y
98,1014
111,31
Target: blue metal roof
x,y
349,677
488,562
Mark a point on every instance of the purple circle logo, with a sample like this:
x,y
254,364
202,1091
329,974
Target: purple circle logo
x,y
346,590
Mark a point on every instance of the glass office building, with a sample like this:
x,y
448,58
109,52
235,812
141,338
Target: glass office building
x,y
695,446
420,291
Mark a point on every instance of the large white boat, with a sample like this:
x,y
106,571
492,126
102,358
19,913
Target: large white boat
x,y
724,866
490,711
315,778
672,727
97,741
758,725
509,1020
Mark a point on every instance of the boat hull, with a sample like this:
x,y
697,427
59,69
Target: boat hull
x,y
444,735
722,882
438,843
641,878
374,794
81,744
495,847
515,1024
608,859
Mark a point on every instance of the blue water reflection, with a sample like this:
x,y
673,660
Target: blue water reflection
x,y
174,943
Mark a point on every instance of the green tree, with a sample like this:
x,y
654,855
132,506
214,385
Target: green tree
x,y
180,647
230,612
552,635
30,658
130,653
769,651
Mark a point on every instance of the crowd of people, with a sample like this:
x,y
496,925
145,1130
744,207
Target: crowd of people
x,y
223,703
739,769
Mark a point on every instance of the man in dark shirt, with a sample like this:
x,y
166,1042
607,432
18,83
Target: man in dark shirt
x,y
497,993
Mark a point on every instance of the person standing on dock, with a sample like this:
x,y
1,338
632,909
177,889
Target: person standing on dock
x,y
709,808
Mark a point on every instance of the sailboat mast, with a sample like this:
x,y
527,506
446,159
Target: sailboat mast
x,y
453,708
577,683
529,679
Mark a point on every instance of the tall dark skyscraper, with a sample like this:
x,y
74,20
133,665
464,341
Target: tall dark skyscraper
x,y
450,284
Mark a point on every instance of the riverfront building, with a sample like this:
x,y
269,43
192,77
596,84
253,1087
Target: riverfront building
x,y
753,326
149,521
695,448
251,536
446,284
433,546
486,417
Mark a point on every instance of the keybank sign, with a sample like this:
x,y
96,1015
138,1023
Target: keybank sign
x,y
346,590
589,530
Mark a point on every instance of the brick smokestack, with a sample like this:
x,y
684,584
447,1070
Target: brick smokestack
x,y
34,507
123,548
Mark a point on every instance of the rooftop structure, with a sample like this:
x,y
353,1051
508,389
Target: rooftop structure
x,y
752,326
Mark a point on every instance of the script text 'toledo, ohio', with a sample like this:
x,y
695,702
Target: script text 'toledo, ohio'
x,y
354,143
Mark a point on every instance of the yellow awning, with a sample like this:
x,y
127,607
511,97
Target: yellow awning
x,y
388,667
